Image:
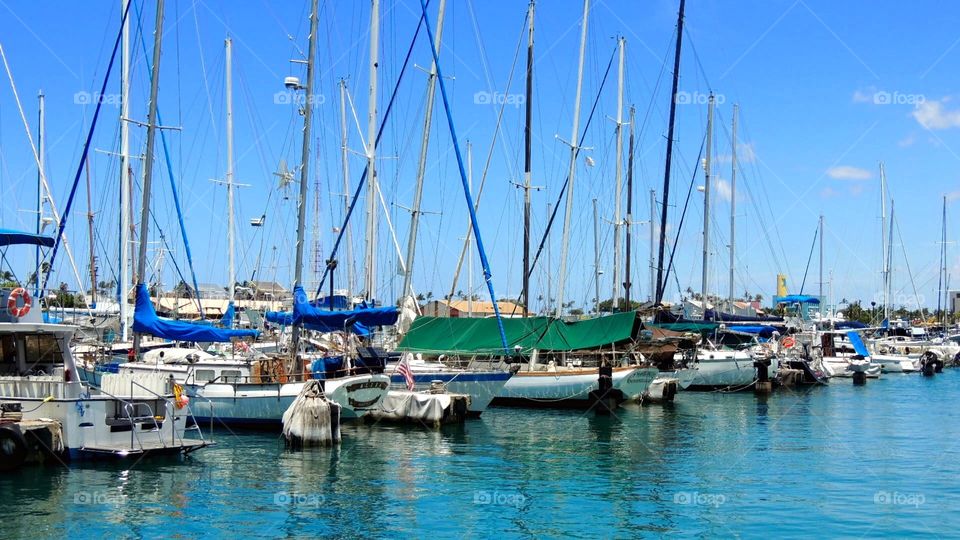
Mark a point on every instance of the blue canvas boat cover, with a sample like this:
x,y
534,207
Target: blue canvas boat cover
x,y
844,325
227,320
858,344
14,238
799,299
720,316
311,317
760,330
145,321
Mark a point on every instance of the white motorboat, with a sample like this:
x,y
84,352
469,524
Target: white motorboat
x,y
724,369
838,361
128,415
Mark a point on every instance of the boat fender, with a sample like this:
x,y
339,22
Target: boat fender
x,y
13,447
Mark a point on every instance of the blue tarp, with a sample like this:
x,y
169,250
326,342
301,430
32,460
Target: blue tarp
x,y
858,344
227,320
15,238
798,299
145,321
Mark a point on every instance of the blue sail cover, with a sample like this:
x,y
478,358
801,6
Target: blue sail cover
x,y
16,238
358,321
858,344
799,299
844,325
760,330
719,316
145,321
227,320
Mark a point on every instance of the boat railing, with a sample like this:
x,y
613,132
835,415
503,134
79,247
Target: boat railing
x,y
170,407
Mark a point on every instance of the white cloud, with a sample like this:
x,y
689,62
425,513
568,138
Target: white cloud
x,y
932,114
723,189
828,192
745,154
847,172
907,141
953,196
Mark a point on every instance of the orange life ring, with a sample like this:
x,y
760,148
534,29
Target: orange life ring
x,y
788,342
12,301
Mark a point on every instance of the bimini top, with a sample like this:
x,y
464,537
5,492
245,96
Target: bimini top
x,y
10,237
145,321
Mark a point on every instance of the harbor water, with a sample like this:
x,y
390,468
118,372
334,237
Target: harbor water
x,y
877,460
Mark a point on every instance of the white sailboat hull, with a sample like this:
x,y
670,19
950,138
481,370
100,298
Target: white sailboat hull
x,y
571,388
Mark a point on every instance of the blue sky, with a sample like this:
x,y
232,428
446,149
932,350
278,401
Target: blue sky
x,y
826,90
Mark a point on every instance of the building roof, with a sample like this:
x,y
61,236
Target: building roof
x,y
480,306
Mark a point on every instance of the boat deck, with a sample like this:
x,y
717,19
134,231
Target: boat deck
x,y
185,446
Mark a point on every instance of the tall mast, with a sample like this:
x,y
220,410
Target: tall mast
x,y
653,231
666,172
304,167
126,221
527,161
345,163
821,258
706,207
126,209
889,269
41,141
148,160
883,231
93,253
369,262
733,203
622,44
627,283
422,161
596,260
231,274
469,237
944,289
562,277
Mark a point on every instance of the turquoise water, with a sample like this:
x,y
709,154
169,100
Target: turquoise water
x,y
879,460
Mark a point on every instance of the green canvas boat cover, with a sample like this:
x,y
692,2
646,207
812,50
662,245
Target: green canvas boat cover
x,y
466,336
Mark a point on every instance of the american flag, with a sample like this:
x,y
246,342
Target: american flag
x,y
403,368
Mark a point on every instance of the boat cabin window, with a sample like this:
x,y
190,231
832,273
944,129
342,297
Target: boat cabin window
x,y
230,376
41,354
203,375
8,355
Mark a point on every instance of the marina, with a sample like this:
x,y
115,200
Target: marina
x,y
390,268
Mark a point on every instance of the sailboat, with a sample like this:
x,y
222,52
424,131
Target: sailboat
x,y
236,391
